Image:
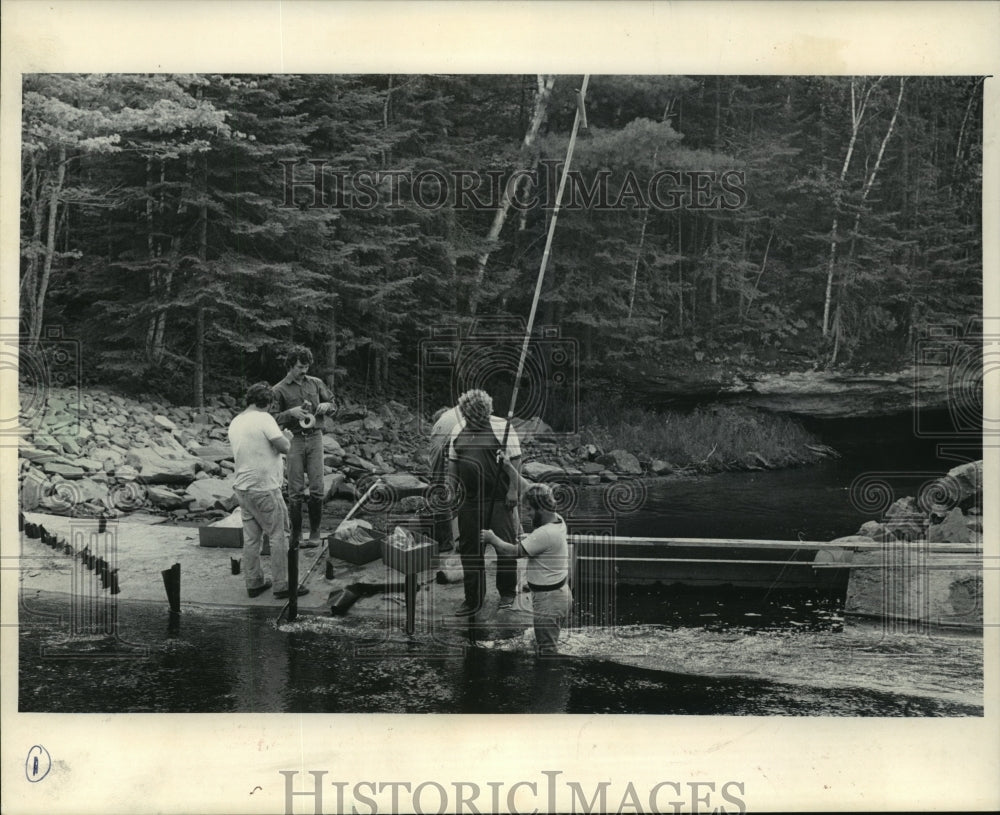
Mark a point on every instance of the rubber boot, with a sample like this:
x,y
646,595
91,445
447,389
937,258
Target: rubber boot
x,y
315,517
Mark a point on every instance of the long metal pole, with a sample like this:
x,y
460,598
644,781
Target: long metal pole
x,y
547,252
541,274
323,550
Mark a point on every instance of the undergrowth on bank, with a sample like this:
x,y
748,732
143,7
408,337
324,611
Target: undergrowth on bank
x,y
710,439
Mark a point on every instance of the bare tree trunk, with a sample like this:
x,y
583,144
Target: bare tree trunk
x,y
857,218
199,348
199,358
680,278
638,257
857,116
760,274
36,207
331,348
965,120
38,306
545,85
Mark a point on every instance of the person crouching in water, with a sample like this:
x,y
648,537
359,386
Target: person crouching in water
x,y
547,552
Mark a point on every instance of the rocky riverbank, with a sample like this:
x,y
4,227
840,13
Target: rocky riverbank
x,y
94,453
947,510
921,566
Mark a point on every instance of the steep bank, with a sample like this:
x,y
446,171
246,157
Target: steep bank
x,y
97,453
814,393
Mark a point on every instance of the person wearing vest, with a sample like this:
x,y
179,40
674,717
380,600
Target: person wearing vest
x,y
488,497
305,459
547,568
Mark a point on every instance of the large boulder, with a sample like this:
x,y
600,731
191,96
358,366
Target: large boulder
x,y
331,447
537,471
65,470
621,461
528,429
873,530
658,466
158,465
165,498
953,529
330,484
968,480
33,490
165,423
403,485
215,451
210,493
36,454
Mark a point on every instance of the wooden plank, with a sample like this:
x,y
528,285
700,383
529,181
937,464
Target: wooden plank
x,y
741,543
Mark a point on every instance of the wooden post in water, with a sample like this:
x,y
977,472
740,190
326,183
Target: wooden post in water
x,y
411,603
172,583
293,581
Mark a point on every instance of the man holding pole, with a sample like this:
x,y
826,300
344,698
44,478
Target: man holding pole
x,y
299,402
547,554
258,444
489,496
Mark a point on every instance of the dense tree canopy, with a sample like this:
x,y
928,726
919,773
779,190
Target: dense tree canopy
x,y
187,228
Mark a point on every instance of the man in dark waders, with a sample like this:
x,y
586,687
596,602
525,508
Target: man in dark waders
x,y
300,401
489,497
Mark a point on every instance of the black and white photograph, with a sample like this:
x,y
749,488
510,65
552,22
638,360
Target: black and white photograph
x,y
539,395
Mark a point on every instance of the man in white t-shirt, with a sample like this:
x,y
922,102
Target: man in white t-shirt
x,y
547,551
258,445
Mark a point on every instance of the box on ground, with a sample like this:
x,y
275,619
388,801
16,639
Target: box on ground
x,y
226,538
415,559
357,552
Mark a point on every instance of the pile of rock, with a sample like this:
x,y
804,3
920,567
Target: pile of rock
x,y
947,510
95,453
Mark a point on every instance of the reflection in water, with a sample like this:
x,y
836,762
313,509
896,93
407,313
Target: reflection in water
x,y
237,661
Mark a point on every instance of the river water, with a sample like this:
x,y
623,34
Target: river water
x,y
667,651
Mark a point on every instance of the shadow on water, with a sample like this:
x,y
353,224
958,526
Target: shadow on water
x,y
237,661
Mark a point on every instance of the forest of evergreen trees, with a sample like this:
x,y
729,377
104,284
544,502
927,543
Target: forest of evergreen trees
x,y
172,223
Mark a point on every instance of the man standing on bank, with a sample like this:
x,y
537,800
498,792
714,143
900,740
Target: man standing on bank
x,y
257,444
547,551
298,397
490,497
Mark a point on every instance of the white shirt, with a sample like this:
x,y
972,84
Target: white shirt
x,y
498,425
258,464
548,553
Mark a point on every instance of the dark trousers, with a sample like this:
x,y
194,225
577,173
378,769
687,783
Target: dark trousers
x,y
471,519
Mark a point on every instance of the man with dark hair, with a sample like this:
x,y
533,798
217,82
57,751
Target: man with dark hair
x,y
299,400
489,496
547,552
258,444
